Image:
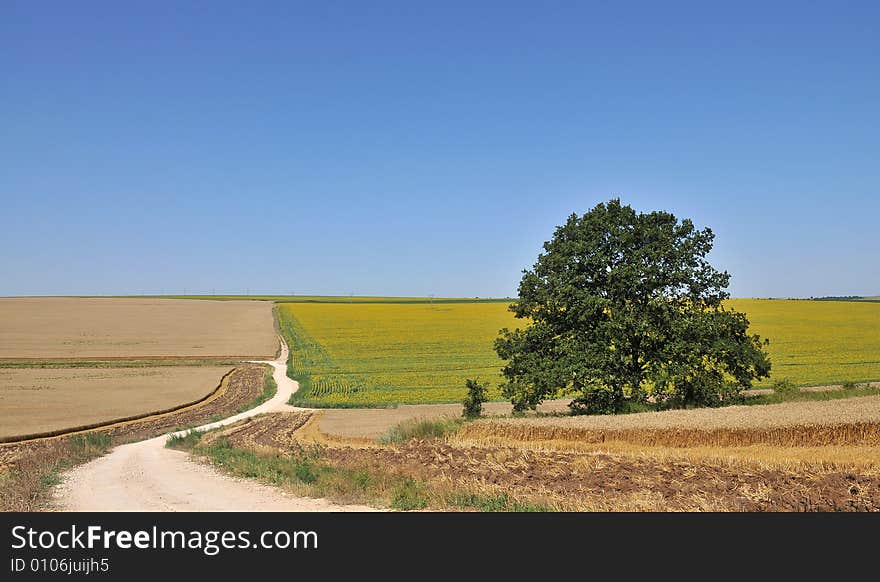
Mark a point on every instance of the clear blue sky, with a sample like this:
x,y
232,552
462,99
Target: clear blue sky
x,y
411,148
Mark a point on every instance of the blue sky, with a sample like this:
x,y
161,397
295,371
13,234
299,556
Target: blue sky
x,y
415,148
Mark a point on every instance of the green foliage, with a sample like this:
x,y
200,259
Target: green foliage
x,y
785,386
463,499
89,445
476,395
185,441
409,495
423,429
469,500
624,306
601,399
304,470
309,403
300,466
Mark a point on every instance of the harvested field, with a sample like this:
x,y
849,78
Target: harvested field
x,y
273,432
23,466
572,481
569,480
369,423
854,421
77,329
42,400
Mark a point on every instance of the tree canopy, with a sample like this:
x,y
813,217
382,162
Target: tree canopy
x,y
624,307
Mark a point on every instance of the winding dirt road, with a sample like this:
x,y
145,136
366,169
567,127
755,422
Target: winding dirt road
x,y
145,476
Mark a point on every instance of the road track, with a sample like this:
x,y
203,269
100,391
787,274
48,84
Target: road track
x,y
146,476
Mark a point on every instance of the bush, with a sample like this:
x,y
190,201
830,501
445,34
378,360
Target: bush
x,y
785,386
420,428
473,402
187,440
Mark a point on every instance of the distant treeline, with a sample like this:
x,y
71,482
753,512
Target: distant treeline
x,y
860,298
839,298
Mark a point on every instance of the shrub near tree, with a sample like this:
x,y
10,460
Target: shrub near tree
x,y
623,307
473,402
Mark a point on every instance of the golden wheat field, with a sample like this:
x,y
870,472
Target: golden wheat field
x,y
838,434
363,354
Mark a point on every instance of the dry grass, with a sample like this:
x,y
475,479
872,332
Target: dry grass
x,y
131,328
42,400
23,487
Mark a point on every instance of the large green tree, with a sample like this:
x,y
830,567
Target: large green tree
x,y
624,306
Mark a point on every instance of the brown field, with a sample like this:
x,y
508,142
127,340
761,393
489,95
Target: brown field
x,y
41,400
41,329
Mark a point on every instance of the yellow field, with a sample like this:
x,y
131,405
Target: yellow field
x,y
818,342
391,353
362,354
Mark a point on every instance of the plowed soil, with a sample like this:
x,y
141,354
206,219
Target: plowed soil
x,y
275,432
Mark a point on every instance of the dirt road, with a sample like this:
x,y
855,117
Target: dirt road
x,y
145,476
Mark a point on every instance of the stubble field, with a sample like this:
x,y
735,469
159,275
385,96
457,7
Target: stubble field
x,y
504,465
